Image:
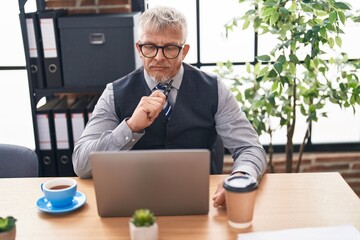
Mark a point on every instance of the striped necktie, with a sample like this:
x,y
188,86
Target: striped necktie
x,y
167,107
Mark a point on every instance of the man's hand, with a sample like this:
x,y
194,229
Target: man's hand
x,y
219,196
146,111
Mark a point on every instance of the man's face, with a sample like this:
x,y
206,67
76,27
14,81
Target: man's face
x,y
159,67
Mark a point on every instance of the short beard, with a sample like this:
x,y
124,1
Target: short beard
x,y
160,79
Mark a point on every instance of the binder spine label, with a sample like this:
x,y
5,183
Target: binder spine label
x,y
78,125
61,131
49,41
43,131
31,38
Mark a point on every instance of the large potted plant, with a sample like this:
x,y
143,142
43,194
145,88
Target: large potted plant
x,y
301,74
7,228
143,225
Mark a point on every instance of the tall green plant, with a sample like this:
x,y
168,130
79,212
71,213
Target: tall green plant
x,y
281,85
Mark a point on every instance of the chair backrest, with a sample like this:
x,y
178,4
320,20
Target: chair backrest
x,y
18,161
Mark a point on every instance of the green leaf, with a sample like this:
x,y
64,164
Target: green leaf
x,y
342,17
323,32
239,97
292,68
308,36
278,67
284,11
263,71
332,17
272,74
356,18
331,42
248,67
274,18
343,6
257,68
282,121
281,59
274,86
294,59
268,12
246,24
249,93
302,110
264,58
338,41
257,23
258,104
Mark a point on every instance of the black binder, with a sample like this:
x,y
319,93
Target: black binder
x,y
63,136
51,46
78,117
35,49
47,145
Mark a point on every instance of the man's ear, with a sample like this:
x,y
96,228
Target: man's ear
x,y
185,51
138,48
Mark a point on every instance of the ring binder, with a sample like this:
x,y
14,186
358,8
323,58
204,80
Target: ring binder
x,y
63,136
35,49
51,46
47,145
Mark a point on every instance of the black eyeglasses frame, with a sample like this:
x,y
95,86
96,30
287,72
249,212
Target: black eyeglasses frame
x,y
141,45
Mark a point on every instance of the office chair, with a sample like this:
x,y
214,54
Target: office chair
x,y
18,161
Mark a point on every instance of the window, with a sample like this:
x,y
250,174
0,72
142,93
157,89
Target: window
x,y
239,47
16,120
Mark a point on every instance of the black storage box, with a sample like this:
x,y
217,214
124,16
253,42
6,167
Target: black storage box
x,y
98,49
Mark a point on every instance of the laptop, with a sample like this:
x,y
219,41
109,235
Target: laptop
x,y
168,182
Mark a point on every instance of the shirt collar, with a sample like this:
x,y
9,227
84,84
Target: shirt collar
x,y
177,79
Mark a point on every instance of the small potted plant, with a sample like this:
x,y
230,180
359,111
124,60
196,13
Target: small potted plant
x,y
7,228
143,225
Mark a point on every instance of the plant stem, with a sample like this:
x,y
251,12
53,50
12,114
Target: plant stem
x,y
302,147
271,153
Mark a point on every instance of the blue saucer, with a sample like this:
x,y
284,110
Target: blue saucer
x,y
44,205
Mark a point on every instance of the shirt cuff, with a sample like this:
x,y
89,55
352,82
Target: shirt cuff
x,y
126,136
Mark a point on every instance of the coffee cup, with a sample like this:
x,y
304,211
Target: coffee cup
x,y
60,192
240,195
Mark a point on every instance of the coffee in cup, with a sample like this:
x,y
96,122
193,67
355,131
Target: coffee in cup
x,y
240,195
60,192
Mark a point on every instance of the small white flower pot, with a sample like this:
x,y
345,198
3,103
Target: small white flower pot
x,y
143,233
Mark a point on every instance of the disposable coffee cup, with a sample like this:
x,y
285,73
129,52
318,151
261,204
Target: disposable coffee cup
x,y
60,192
240,195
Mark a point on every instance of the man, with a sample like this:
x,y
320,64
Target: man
x,y
197,107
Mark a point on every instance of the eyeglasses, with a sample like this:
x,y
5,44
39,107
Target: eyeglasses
x,y
169,51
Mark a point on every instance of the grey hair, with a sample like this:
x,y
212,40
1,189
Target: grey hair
x,y
161,18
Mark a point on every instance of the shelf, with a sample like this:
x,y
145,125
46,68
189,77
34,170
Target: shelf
x,y
51,91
